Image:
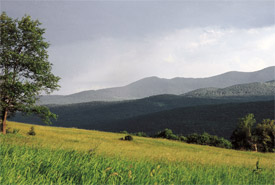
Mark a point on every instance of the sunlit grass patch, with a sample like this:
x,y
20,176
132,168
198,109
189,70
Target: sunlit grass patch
x,y
30,165
100,157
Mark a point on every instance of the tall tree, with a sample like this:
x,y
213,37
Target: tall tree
x,y
25,71
265,135
242,136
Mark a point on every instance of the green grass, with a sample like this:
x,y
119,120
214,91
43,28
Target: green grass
x,y
27,165
38,160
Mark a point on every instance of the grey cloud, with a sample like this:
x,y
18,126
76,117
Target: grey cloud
x,y
69,21
96,44
192,52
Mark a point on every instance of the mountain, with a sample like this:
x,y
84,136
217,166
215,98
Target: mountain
x,y
155,86
251,89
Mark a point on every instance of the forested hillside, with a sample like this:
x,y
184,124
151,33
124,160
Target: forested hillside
x,y
251,89
217,119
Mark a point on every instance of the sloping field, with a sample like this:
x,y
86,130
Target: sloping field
x,y
75,156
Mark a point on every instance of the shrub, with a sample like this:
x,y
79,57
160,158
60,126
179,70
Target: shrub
x,y
192,138
168,134
183,138
32,132
128,138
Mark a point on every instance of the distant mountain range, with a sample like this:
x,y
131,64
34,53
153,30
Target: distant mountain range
x,y
134,115
155,86
184,105
251,89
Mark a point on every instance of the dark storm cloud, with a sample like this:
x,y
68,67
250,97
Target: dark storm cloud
x,y
68,21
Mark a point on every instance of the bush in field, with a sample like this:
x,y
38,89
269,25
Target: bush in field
x,y
168,134
192,138
183,138
128,138
32,132
222,143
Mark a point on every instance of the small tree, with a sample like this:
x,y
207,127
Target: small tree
x,y
242,137
24,68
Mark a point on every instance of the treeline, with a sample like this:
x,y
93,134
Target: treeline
x,y
244,137
202,139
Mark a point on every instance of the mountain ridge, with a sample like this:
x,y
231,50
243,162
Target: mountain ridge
x,y
251,89
151,86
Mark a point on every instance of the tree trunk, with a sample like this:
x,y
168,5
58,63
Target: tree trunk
x,y
4,120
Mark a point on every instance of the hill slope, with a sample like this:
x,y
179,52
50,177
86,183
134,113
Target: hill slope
x,y
155,86
218,120
251,89
141,148
74,156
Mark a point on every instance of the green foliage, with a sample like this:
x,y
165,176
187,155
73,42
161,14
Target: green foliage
x,y
167,134
140,134
193,116
183,138
264,135
29,165
32,132
24,67
242,90
207,139
128,138
242,136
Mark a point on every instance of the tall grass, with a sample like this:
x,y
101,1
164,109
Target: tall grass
x,y
28,165
74,156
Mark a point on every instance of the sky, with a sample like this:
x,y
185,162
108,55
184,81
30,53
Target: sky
x,y
101,44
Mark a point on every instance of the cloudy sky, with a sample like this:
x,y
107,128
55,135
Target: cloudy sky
x,y
99,44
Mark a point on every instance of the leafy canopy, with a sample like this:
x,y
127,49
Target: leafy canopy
x,y
25,71
264,134
242,136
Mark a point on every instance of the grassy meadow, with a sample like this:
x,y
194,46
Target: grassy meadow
x,y
58,155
